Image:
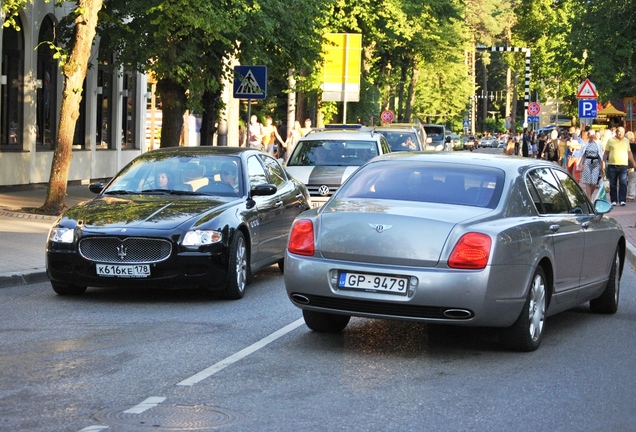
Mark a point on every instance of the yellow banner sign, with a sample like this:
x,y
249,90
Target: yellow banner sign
x,y
341,69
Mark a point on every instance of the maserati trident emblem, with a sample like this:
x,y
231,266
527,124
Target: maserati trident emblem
x,y
323,190
121,251
380,227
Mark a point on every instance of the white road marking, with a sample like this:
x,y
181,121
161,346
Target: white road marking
x,y
206,373
151,402
96,428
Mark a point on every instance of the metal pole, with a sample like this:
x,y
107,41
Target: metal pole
x,y
346,78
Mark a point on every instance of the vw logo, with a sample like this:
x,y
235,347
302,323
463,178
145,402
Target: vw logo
x,y
323,190
380,227
122,251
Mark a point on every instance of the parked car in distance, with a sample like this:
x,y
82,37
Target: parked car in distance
x,y
323,159
450,238
488,142
404,138
178,217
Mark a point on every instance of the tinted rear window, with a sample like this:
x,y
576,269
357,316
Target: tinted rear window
x,y
426,182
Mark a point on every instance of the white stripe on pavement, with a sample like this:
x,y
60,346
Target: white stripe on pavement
x,y
151,402
206,373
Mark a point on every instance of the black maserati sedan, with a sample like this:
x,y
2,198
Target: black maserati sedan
x,y
176,218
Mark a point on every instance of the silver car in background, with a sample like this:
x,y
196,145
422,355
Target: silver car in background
x,y
452,238
323,159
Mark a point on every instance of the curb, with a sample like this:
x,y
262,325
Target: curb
x,y
9,280
21,215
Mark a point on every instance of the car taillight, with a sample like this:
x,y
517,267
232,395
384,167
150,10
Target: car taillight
x,y
301,238
471,252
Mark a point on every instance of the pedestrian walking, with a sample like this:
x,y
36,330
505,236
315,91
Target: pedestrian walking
x,y
631,172
271,138
551,149
590,164
618,157
255,133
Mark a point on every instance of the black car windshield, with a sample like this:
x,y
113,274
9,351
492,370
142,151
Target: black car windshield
x,y
181,175
332,152
426,182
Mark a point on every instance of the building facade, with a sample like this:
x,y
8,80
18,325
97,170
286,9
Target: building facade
x,y
118,118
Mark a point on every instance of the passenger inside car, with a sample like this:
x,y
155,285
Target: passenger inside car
x,y
319,155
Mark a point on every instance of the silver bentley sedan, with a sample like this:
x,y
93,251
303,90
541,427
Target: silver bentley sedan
x,y
455,238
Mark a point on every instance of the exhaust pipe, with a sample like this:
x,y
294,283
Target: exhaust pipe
x,y
458,314
300,299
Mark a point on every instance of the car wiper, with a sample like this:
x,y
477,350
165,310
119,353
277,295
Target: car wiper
x,y
182,192
119,192
156,191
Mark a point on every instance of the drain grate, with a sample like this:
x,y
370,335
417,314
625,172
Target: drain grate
x,y
166,417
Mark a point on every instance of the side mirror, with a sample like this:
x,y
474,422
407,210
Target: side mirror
x,y
263,190
96,188
601,206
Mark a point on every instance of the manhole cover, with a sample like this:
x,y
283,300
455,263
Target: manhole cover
x,y
171,417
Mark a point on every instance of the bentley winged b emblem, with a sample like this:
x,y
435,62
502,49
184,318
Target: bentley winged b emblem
x,y
380,227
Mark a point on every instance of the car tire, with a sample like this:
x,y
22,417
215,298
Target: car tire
x,y
281,265
527,332
68,290
607,302
238,269
325,322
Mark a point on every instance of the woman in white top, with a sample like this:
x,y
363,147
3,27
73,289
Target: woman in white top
x,y
591,164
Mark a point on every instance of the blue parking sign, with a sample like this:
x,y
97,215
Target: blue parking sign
x,y
587,108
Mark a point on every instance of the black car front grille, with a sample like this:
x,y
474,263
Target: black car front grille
x,y
383,308
133,250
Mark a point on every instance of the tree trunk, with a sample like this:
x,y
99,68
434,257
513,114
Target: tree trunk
x,y
400,108
410,100
173,105
484,94
74,72
210,102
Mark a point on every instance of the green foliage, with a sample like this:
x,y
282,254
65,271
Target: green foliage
x,y
10,10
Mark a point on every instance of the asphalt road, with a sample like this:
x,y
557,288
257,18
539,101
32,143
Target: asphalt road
x,y
120,360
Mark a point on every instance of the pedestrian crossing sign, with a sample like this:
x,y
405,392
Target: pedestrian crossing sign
x,y
250,82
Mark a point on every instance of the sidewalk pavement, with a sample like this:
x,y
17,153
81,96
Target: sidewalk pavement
x,y
23,235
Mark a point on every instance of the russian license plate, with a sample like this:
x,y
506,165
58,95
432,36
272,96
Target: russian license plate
x,y
124,271
374,283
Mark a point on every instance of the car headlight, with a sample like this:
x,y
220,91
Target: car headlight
x,y
61,235
201,237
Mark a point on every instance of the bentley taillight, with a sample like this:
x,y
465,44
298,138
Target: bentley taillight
x,y
301,238
471,252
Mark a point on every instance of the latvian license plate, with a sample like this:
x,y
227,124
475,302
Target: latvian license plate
x,y
124,271
374,283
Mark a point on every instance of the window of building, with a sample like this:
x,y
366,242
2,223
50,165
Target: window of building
x,y
47,73
129,110
104,138
12,89
79,137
